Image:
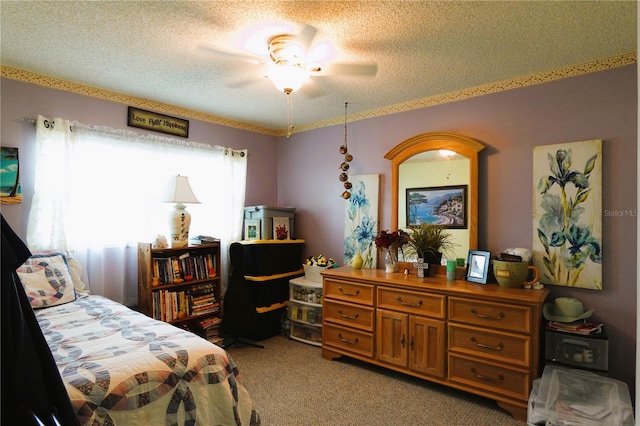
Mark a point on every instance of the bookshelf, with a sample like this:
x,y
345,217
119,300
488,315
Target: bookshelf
x,y
181,286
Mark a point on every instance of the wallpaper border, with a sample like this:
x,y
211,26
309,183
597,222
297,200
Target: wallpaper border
x,y
472,92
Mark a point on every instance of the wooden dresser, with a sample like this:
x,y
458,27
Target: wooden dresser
x,y
484,339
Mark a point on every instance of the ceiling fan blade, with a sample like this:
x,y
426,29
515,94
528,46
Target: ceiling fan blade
x,y
228,54
311,90
349,69
306,35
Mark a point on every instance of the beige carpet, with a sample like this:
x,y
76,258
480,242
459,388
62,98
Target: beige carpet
x,y
291,384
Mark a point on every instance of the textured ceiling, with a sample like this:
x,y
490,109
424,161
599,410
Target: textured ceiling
x,y
160,51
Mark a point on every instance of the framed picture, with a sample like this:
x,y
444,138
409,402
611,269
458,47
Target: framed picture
x,y
10,177
281,228
252,229
441,205
478,266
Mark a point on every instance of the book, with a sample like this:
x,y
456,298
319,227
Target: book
x,y
202,240
578,327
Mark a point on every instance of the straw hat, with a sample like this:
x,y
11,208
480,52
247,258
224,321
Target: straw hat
x,y
565,309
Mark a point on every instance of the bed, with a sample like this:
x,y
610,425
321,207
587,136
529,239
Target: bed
x,y
121,367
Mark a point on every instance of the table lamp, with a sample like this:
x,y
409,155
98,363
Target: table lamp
x,y
179,192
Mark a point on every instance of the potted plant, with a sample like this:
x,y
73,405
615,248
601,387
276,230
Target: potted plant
x,y
429,242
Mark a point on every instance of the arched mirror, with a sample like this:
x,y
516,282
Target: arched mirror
x,y
434,178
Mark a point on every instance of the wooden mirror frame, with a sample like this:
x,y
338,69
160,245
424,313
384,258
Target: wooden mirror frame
x,y
424,142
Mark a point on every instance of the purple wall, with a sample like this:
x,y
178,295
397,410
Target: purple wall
x,y
302,171
510,124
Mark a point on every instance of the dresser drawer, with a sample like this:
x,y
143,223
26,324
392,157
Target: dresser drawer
x,y
348,291
358,342
349,314
489,314
490,377
432,305
496,345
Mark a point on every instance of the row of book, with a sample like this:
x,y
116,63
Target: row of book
x,y
196,300
186,267
583,328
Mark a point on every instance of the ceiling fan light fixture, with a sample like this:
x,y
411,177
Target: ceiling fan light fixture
x,y
288,78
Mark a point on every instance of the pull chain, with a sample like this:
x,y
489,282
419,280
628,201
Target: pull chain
x,y
289,113
345,127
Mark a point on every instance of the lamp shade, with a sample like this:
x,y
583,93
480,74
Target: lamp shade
x,y
179,191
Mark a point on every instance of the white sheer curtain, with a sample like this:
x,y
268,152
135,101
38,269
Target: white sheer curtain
x,y
97,192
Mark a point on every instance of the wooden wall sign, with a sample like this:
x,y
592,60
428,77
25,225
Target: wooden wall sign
x,y
157,122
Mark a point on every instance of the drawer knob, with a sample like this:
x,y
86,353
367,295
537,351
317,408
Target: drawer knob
x,y
485,346
346,293
500,378
499,317
353,317
351,342
414,305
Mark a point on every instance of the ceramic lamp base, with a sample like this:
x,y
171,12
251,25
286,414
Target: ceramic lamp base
x,y
179,222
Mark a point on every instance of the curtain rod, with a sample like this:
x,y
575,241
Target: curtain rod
x,y
33,122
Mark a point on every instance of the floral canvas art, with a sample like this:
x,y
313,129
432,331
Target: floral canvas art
x,y
361,221
567,214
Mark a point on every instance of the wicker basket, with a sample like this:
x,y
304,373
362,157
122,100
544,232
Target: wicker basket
x,y
312,273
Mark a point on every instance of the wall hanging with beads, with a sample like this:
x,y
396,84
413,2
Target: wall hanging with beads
x,y
344,166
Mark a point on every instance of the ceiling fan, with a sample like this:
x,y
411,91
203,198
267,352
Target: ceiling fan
x,y
290,58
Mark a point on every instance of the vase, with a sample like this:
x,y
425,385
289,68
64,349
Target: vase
x,y
390,260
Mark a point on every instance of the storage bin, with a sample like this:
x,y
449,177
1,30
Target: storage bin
x,y
266,215
306,333
312,273
305,313
568,396
268,323
271,257
267,292
588,352
305,293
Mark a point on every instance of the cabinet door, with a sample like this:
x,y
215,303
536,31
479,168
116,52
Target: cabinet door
x,y
391,333
426,345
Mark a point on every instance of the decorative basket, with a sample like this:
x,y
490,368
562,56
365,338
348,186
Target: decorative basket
x,y
312,273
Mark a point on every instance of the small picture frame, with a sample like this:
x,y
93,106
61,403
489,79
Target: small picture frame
x,y
281,228
478,266
252,229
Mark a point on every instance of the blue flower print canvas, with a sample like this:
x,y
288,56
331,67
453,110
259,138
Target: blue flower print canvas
x,y
361,221
567,214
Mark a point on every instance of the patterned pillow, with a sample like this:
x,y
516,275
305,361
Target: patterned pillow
x,y
46,280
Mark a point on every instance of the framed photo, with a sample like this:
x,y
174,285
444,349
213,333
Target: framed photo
x,y
252,229
281,228
441,205
478,266
10,177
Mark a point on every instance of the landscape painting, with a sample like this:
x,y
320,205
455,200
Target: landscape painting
x,y
440,205
11,192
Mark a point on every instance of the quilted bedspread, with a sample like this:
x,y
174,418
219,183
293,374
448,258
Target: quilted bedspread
x,y
121,367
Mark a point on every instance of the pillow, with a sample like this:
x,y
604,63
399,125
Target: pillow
x,y
47,280
82,289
